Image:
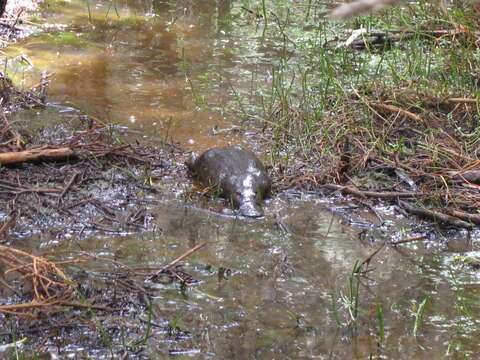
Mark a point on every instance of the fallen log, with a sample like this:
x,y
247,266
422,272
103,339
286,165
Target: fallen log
x,y
33,155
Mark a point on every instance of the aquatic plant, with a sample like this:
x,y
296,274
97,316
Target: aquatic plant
x,y
419,315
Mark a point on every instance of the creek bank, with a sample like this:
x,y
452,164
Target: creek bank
x,y
423,158
93,180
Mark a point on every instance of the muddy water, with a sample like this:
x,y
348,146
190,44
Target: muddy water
x,y
286,295
151,67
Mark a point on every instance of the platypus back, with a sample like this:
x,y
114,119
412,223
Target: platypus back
x,y
238,173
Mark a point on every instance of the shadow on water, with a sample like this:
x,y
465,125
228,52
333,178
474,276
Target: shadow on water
x,y
288,289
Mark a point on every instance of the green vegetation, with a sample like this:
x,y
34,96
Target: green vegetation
x,y
419,314
400,96
67,38
381,324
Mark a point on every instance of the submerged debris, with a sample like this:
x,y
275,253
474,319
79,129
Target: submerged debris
x,y
77,176
48,285
108,302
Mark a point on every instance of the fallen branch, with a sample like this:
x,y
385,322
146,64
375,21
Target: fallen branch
x,y
375,194
180,258
10,158
50,286
474,218
436,216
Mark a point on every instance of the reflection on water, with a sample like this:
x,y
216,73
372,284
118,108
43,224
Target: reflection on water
x,y
148,67
278,301
155,67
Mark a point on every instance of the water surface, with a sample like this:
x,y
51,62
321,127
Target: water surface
x,y
171,69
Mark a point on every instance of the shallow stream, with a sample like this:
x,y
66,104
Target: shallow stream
x,y
170,70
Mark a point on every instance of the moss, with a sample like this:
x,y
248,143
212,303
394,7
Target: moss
x,y
67,38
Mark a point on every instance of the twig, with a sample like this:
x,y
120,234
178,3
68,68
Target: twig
x,y
409,240
13,26
372,210
86,306
474,218
395,109
462,101
180,258
8,224
15,134
50,286
43,87
67,187
370,257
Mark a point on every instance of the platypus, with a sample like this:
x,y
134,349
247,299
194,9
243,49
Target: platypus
x,y
237,173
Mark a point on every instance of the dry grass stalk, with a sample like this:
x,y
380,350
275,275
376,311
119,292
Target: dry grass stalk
x,y
397,110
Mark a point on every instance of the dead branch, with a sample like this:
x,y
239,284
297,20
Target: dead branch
x,y
461,101
370,257
49,285
397,110
15,134
474,218
436,216
42,154
68,186
409,240
8,224
374,194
